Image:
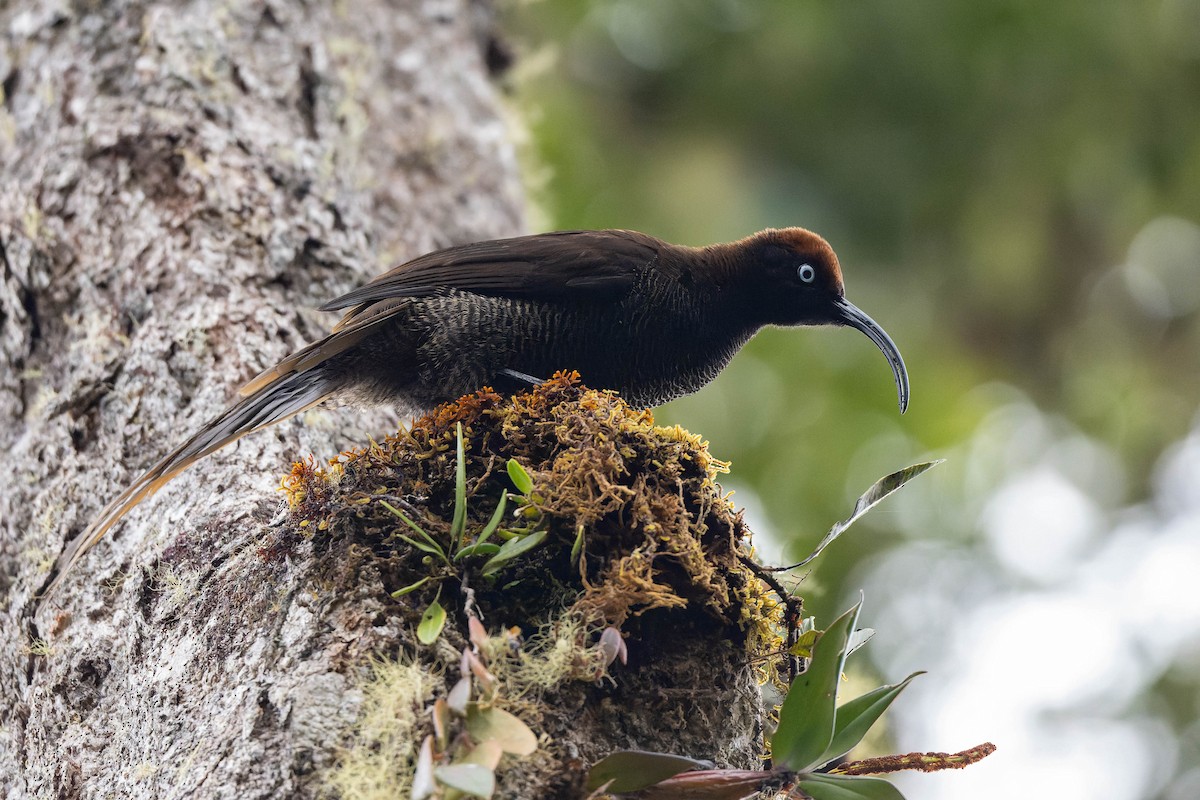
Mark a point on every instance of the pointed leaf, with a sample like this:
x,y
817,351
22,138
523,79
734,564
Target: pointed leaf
x,y
476,632
612,643
460,491
432,622
473,779
481,546
511,549
858,638
423,785
508,731
428,545
878,491
459,696
494,522
519,477
423,546
806,720
484,549
711,784
631,770
441,722
412,587
804,644
577,545
845,787
487,681
856,717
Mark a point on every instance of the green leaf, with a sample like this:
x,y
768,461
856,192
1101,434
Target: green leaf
x,y
633,770
424,546
404,517
577,545
847,787
459,522
432,622
804,644
473,779
519,477
412,587
511,549
878,491
856,717
485,549
430,544
509,732
806,720
488,529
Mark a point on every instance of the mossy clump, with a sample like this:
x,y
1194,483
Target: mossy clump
x,y
630,537
634,516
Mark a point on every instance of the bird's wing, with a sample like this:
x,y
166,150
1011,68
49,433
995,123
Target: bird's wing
x,y
581,266
578,266
347,334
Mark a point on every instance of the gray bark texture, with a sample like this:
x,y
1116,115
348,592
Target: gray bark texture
x,y
182,183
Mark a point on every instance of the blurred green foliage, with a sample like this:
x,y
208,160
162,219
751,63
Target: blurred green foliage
x,y
1012,188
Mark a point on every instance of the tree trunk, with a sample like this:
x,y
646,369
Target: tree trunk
x,y
183,183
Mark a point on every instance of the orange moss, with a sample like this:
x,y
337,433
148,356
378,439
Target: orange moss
x,y
654,528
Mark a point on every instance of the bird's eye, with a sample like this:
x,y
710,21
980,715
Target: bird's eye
x,y
807,273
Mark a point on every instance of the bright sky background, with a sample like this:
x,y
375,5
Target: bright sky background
x,y
1041,628
1044,647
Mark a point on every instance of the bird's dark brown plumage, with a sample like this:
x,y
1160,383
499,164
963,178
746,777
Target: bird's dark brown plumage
x,y
630,312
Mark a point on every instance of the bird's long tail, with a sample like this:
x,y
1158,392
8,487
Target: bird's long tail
x,y
273,402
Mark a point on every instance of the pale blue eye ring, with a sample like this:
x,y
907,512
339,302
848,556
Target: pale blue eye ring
x,y
806,273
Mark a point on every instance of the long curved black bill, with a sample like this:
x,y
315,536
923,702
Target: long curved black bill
x,y
855,318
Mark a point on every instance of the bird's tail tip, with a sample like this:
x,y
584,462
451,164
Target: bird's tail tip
x,y
271,404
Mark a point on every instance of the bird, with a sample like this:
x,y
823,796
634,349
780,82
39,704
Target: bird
x,y
628,311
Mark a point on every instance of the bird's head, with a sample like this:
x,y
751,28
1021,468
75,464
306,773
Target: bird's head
x,y
795,279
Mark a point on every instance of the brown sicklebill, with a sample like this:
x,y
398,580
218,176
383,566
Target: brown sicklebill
x,y
630,312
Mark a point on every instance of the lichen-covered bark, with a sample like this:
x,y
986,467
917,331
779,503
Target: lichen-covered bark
x,y
181,184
